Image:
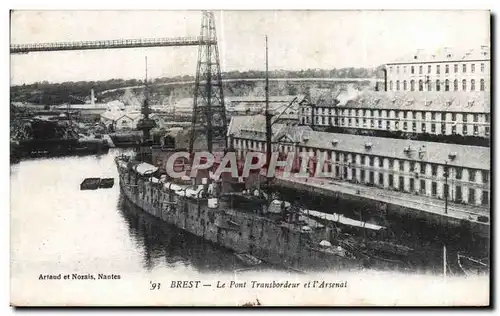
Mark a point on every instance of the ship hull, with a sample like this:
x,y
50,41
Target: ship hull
x,y
241,232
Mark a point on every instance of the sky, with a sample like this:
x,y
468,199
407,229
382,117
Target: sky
x,y
297,40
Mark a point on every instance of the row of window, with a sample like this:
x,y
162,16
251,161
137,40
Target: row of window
x,y
405,125
396,114
439,85
438,68
369,160
455,195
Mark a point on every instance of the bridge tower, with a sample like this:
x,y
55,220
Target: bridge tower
x,y
209,125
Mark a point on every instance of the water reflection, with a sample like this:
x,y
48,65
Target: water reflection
x,y
164,244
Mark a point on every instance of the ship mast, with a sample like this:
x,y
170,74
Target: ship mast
x,y
146,124
268,119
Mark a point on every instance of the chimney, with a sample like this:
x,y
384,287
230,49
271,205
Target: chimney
x,y
92,99
385,78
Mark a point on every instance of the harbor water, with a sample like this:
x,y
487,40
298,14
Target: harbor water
x,y
56,227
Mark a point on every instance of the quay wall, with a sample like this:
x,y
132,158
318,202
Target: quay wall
x,y
441,219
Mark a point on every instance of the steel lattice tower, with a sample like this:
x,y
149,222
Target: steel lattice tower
x,y
209,123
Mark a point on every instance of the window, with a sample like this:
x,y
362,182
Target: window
x,y
433,128
438,69
397,69
454,129
464,130
486,177
453,116
420,85
412,85
472,85
429,85
472,196
434,170
379,123
405,126
391,163
414,127
404,86
455,85
447,69
405,114
455,68
464,68
422,168
476,130
380,178
458,174
412,70
390,85
433,116
422,186
391,180
396,125
397,85
420,69
472,67
464,117
464,85
353,173
472,175
380,162
434,188
482,67
370,161
487,131
412,166
423,127
438,85
429,69
475,117
481,85
447,85
484,198
401,165
487,118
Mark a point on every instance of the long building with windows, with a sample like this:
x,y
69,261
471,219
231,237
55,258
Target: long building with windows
x,y
413,167
443,70
438,113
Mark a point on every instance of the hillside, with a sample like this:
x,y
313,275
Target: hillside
x,y
168,90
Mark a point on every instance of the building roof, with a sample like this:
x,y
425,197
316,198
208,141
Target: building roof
x,y
431,152
262,99
444,54
457,101
96,106
116,115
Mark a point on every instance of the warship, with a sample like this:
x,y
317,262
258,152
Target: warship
x,y
232,212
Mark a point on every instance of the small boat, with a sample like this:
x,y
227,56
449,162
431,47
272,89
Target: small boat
x,y
90,184
471,266
106,183
248,259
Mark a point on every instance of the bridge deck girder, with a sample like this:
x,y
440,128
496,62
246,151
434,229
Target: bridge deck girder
x,y
108,44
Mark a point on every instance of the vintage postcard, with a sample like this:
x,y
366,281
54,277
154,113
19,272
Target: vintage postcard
x,y
250,158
